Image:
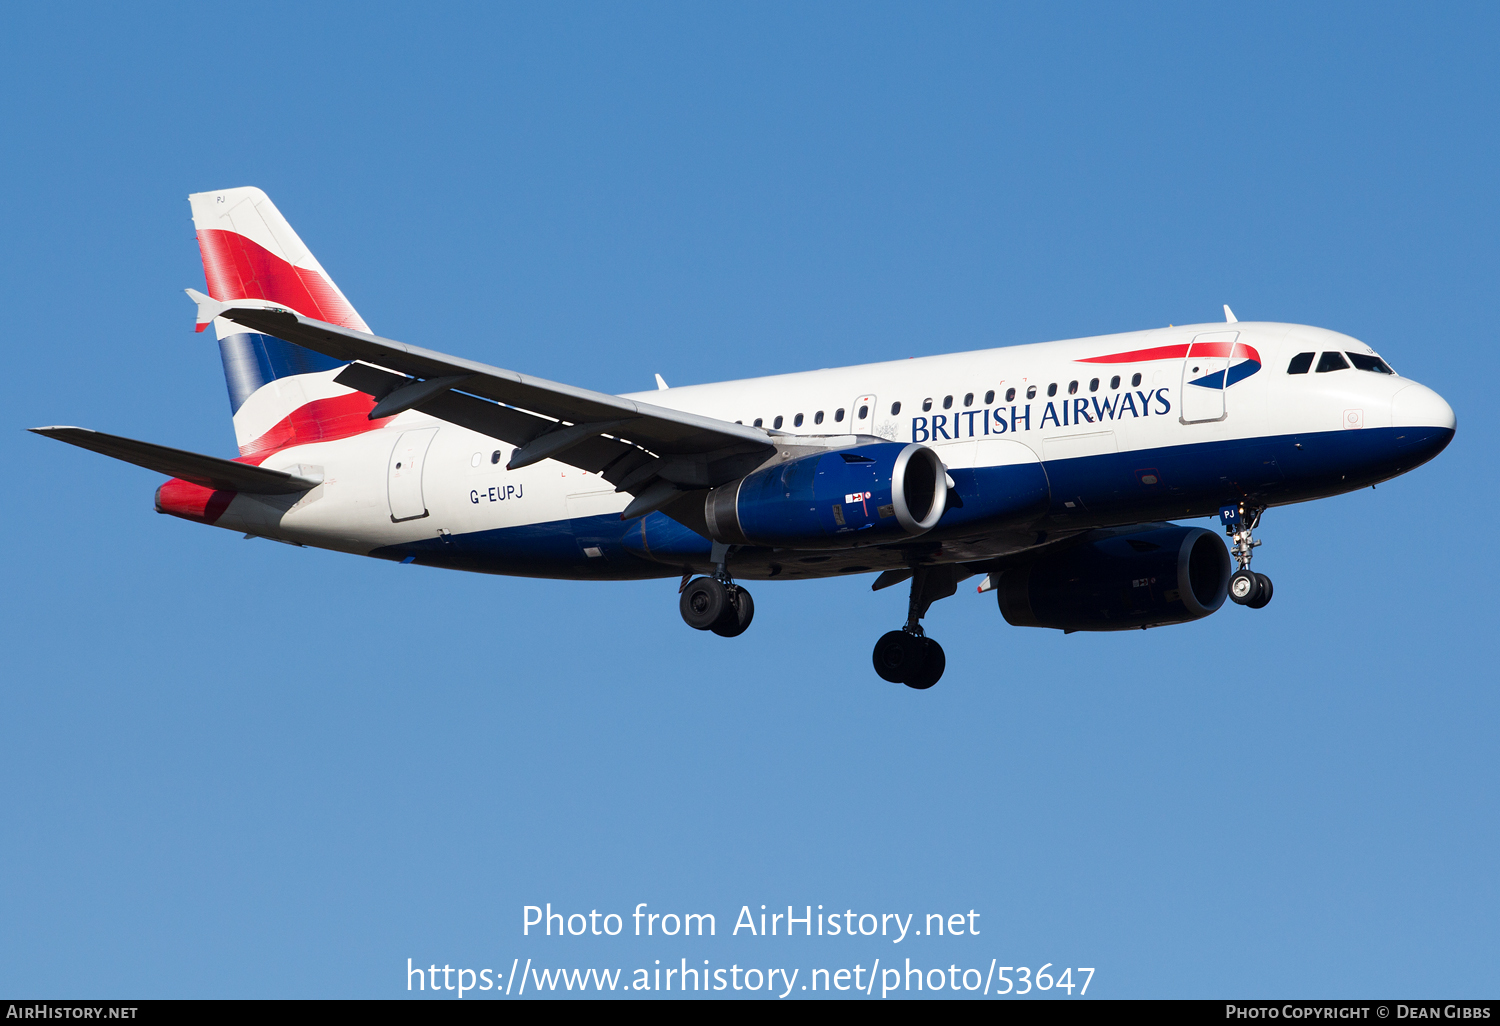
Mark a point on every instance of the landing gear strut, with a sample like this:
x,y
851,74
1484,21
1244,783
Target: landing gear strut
x,y
716,603
1246,587
909,656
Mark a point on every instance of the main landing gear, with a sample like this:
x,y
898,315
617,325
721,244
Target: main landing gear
x,y
909,656
1246,587
716,603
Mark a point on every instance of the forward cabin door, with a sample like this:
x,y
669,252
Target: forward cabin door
x,y
404,478
862,416
1204,374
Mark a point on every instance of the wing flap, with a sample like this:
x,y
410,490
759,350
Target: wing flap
x,y
506,423
208,471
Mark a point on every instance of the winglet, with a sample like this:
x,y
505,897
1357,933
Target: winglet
x,y
209,308
661,383
1229,317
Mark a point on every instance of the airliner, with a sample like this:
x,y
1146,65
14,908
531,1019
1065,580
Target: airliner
x,y
1050,472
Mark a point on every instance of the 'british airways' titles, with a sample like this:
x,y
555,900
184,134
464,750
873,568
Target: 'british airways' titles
x,y
1065,413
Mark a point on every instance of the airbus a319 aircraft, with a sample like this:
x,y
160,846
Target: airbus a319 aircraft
x,y
1048,471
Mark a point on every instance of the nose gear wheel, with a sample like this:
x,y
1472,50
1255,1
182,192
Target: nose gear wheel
x,y
1246,587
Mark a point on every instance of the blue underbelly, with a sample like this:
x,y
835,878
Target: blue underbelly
x,y
1114,488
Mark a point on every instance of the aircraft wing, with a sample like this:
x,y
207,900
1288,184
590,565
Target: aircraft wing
x,y
209,471
650,451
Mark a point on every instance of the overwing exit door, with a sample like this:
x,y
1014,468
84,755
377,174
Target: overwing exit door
x,y
404,477
1204,374
862,416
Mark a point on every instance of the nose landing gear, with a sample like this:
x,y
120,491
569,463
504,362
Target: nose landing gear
x,y
716,603
1246,587
1249,588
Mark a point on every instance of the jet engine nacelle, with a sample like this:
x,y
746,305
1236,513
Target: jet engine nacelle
x,y
1148,578
854,496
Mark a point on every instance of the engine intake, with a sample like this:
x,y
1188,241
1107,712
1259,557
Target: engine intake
x,y
1148,578
856,496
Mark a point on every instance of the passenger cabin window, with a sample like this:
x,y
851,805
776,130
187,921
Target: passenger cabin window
x,y
818,417
947,402
1365,362
1331,362
989,397
1031,391
1135,381
777,422
1301,363
495,456
926,405
969,399
838,416
864,411
1052,388
1072,388
1010,395
1094,385
1114,382
895,409
797,420
759,422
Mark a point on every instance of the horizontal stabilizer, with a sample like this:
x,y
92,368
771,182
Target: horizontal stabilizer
x,y
208,471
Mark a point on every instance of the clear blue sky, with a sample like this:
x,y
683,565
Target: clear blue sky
x,y
237,768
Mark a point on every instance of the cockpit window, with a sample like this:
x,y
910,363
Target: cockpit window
x,y
1331,362
1301,363
1364,361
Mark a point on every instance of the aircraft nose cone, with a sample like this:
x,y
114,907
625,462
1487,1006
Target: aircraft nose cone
x,y
1424,424
1418,406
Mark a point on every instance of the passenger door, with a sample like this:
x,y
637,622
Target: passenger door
x,y
404,476
1203,377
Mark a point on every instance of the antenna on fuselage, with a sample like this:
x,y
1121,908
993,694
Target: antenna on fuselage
x,y
661,382
1229,317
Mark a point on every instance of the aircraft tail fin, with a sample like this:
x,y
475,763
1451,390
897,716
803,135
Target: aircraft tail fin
x,y
280,394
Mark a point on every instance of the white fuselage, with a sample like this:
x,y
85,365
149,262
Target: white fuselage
x,y
1073,412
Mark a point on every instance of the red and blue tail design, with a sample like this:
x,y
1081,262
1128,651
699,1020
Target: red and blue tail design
x,y
281,394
